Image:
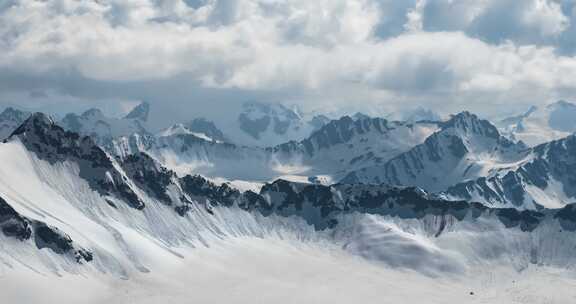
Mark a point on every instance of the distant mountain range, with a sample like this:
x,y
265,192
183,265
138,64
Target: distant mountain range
x,y
64,171
437,198
461,158
541,124
464,147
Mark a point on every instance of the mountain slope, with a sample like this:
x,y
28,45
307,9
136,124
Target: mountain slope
x,y
328,154
542,124
207,129
10,119
547,180
346,144
104,130
49,142
465,147
140,112
267,124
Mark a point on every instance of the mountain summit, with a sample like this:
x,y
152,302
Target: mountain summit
x,y
139,112
465,147
10,119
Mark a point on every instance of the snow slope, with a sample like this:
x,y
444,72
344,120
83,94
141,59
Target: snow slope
x,y
541,124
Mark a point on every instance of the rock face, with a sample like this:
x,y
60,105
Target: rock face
x,y
207,128
465,147
367,132
40,135
17,226
10,119
548,179
322,206
348,144
150,176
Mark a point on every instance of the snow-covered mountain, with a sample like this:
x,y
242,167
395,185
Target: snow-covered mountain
x,y
541,124
350,143
10,119
548,180
105,129
464,148
51,143
200,147
139,112
206,129
269,124
127,230
327,155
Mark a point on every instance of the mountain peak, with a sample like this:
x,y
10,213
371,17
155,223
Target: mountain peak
x,y
206,127
463,115
92,113
360,116
561,104
35,122
139,112
10,119
469,123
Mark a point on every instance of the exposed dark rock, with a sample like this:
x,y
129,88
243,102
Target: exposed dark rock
x,y
12,223
445,148
197,186
149,175
554,161
52,143
17,226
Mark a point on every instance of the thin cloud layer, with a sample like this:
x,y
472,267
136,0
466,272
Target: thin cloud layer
x,y
443,54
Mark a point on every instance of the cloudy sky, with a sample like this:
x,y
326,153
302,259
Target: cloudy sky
x,y
188,56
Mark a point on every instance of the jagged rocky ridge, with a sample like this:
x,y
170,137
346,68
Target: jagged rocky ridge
x,y
334,149
361,140
50,142
465,147
321,205
337,147
447,161
547,180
